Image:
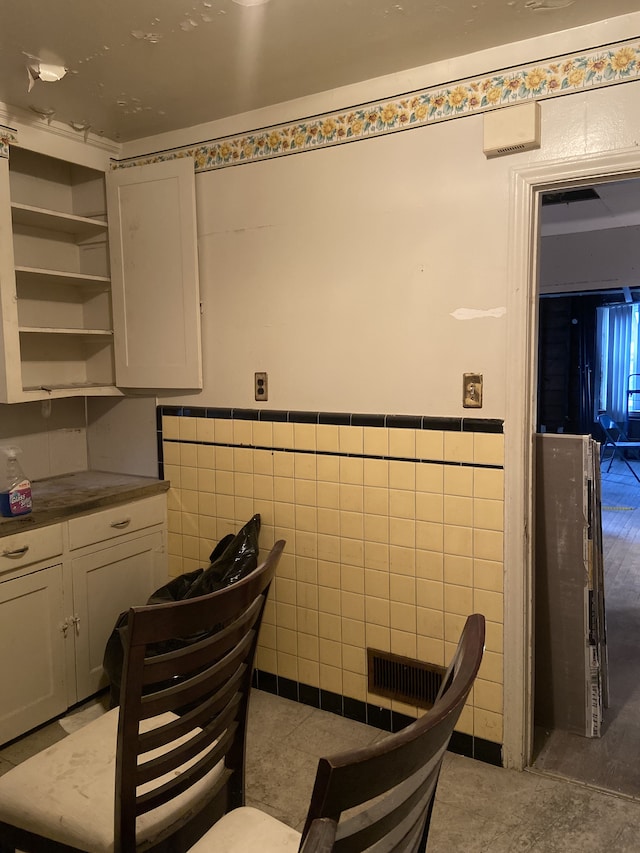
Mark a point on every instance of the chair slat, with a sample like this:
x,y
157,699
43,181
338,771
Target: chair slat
x,y
392,783
373,771
177,662
162,794
183,751
199,716
183,693
378,820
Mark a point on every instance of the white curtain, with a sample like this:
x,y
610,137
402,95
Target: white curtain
x,y
619,320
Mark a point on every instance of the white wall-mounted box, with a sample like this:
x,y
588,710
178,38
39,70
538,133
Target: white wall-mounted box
x,y
512,129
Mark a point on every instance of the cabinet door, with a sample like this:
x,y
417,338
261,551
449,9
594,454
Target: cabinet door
x,y
32,651
154,275
10,368
105,583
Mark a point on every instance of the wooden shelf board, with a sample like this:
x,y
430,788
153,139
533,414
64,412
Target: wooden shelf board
x,y
53,220
59,277
109,390
38,330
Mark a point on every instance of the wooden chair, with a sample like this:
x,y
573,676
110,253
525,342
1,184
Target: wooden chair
x,y
157,772
616,439
379,797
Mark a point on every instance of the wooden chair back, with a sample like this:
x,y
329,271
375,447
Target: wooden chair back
x,y
381,796
185,688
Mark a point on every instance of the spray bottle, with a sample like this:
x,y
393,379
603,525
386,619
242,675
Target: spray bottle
x,y
15,489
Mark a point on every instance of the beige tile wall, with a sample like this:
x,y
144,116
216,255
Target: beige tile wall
x,y
380,552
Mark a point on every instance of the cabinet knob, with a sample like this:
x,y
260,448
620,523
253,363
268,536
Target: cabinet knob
x,y
120,524
17,552
75,621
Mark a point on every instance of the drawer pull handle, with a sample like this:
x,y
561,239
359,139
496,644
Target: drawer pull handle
x,y
17,552
120,524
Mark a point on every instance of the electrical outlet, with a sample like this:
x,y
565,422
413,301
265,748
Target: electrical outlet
x,y
261,386
472,390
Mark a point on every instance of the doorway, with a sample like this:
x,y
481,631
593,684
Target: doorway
x,y
526,186
587,270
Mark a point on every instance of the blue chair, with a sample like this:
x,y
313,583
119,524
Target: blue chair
x,y
616,439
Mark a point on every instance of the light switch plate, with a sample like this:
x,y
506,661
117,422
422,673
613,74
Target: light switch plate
x,y
472,390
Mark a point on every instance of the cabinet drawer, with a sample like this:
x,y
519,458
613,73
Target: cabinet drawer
x,y
116,521
32,546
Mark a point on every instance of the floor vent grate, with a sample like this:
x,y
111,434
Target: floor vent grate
x,y
411,681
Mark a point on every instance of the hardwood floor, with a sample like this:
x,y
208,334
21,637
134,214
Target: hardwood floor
x,y
611,762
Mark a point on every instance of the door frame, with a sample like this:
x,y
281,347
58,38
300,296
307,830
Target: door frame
x,y
526,186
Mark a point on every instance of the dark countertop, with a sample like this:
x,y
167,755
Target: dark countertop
x,y
60,498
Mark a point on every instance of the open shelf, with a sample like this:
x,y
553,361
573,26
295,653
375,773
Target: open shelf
x,y
37,330
43,276
56,319
79,387
68,223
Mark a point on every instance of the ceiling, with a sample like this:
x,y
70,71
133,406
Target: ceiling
x,y
617,205
141,67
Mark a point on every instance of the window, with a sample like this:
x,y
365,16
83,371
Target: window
x,y
618,380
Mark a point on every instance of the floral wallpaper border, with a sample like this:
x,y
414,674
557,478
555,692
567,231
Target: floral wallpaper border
x,y
565,75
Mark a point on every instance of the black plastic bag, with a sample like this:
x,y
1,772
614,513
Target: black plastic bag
x,y
233,558
236,561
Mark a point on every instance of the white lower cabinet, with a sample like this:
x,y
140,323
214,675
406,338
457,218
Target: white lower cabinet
x,y
32,651
57,615
105,583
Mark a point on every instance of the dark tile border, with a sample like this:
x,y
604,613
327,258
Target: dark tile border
x,y
487,751
267,681
378,717
489,425
354,709
479,425
365,420
331,702
245,414
404,421
309,695
160,444
287,688
461,744
381,718
400,721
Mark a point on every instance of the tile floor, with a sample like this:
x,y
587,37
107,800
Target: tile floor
x,y
479,807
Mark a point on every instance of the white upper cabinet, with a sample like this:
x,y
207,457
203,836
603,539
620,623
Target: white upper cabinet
x,y
154,270
57,329
90,305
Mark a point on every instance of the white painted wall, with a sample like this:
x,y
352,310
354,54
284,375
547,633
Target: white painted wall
x,y
338,270
120,435
51,444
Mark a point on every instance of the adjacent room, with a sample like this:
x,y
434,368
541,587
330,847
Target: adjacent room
x,y
588,384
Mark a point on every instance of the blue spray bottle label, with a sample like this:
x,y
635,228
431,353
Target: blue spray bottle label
x,y
15,496
18,500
